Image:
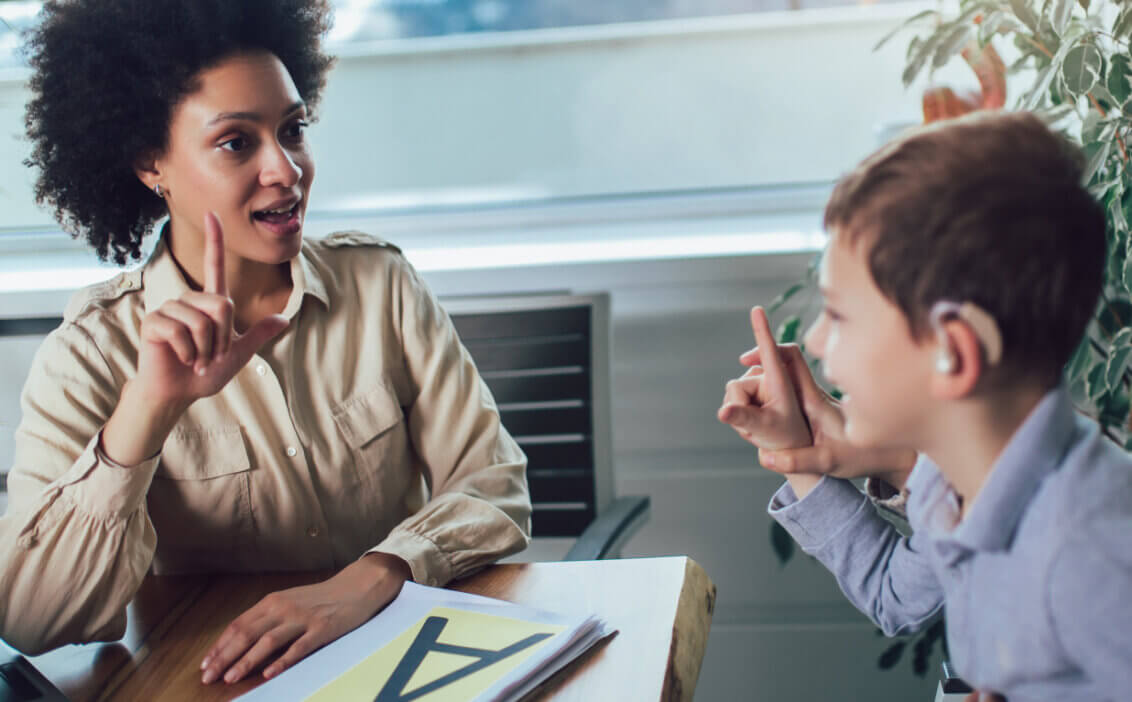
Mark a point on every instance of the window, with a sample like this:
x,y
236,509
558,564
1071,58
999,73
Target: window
x,y
369,20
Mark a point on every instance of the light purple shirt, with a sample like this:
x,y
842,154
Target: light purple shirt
x,y
1036,580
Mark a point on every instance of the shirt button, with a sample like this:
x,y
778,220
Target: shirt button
x,y
312,531
291,451
261,369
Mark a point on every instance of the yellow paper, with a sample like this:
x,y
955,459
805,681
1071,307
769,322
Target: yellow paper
x,y
449,673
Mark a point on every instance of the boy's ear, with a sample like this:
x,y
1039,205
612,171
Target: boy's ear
x,y
148,170
958,377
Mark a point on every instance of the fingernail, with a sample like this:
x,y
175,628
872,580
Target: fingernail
x,y
269,673
204,663
202,370
767,460
208,677
230,676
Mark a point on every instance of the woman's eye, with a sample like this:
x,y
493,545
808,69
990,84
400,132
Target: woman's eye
x,y
295,131
235,144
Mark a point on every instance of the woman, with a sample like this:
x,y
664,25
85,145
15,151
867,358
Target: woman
x,y
247,400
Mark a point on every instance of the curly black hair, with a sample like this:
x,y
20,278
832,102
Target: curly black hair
x,y
106,77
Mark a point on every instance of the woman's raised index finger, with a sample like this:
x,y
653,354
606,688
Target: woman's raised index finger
x,y
214,279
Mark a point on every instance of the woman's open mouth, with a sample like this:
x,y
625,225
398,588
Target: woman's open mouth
x,y
282,221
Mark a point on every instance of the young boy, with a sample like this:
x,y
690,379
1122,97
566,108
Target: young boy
x,y
964,263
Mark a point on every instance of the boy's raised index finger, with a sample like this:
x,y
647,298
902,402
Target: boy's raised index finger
x,y
769,357
214,278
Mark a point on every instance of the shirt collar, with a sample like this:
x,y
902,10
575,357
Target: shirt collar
x,y
163,280
1034,451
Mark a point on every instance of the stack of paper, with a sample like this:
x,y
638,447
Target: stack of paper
x,y
436,645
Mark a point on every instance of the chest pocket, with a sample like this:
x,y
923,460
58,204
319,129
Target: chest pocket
x,y
200,500
372,423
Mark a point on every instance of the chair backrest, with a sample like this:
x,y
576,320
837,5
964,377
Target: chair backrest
x,y
546,360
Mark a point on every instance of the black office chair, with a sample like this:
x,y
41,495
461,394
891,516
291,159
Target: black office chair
x,y
546,360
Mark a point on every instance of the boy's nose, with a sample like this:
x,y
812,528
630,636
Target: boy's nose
x,y
814,339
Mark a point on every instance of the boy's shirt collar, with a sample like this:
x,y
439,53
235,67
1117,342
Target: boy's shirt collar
x,y
1033,452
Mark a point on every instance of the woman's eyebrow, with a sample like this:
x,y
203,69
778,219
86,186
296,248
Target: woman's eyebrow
x,y
253,116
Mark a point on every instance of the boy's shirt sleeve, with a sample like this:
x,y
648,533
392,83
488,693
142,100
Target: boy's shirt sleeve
x,y
883,573
1089,581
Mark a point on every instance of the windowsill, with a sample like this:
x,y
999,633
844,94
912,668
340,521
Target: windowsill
x,y
720,232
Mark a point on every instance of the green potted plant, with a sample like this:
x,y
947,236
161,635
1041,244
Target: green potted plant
x,y
1073,68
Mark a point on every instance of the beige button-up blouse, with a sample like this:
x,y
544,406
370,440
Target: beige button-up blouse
x,y
363,427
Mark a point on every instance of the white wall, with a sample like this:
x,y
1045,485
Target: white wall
x,y
753,99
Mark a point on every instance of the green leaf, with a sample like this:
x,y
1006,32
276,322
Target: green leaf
x,y
1094,383
920,56
891,655
903,25
1041,85
1082,69
1080,361
1059,18
952,43
1119,80
1119,355
1098,155
1091,126
1024,13
1055,114
1114,316
1123,25
788,332
1126,275
782,542
1115,406
786,295
1116,215
989,26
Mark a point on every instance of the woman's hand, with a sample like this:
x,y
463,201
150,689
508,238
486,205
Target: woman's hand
x,y
189,350
304,619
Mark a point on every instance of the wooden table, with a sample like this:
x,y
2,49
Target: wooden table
x,y
662,608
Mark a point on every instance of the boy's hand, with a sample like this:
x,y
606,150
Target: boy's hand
x,y
762,406
830,452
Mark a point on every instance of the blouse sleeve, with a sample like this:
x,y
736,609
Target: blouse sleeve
x,y
480,508
76,540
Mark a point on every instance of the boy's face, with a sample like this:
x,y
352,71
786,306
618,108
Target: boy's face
x,y
868,352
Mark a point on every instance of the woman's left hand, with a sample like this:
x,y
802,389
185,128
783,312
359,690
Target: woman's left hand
x,y
304,619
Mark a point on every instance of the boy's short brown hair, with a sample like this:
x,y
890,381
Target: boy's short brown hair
x,y
987,209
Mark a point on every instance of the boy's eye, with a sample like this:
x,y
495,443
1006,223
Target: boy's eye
x,y
235,144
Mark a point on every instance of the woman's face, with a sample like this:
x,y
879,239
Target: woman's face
x,y
237,148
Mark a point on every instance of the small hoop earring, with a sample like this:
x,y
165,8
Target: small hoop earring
x,y
159,191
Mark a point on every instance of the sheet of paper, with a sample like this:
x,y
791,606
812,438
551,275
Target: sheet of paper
x,y
450,655
435,645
